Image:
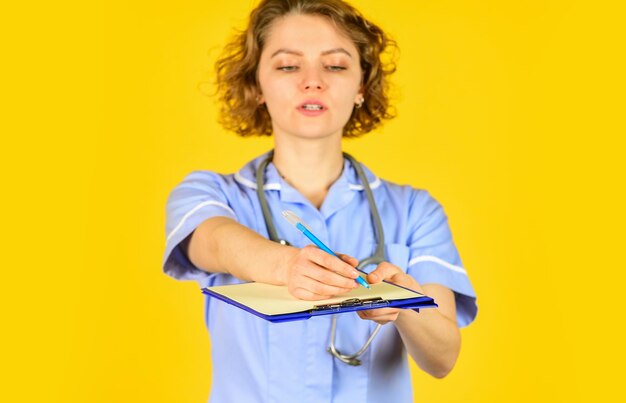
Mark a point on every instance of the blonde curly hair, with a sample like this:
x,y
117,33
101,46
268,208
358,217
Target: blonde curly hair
x,y
238,88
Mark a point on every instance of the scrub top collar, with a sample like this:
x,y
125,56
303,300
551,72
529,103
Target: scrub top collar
x,y
339,195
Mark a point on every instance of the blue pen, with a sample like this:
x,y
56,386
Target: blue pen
x,y
295,220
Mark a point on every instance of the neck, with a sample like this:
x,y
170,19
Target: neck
x,y
310,167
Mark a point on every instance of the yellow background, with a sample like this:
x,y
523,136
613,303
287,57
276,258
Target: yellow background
x,y
510,113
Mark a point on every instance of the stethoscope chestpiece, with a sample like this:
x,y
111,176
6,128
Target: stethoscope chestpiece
x,y
355,362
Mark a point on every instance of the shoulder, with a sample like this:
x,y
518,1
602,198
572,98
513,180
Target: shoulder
x,y
203,177
408,194
402,198
211,181
407,204
199,182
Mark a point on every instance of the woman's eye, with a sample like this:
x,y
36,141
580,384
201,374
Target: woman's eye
x,y
288,68
335,68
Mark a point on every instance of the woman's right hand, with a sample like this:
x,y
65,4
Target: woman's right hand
x,y
313,274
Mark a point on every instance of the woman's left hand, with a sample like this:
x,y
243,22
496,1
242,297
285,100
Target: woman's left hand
x,y
393,274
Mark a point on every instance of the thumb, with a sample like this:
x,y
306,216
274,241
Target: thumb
x,y
384,271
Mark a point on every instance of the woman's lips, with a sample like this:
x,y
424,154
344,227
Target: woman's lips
x,y
312,108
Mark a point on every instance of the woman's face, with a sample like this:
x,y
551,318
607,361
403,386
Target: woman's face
x,y
310,77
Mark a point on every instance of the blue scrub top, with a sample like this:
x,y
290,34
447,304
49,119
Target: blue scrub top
x,y
258,361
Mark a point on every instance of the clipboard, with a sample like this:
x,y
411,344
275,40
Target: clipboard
x,y
275,304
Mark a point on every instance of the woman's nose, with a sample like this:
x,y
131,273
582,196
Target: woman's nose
x,y
312,81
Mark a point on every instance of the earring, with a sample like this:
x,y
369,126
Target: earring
x,y
359,103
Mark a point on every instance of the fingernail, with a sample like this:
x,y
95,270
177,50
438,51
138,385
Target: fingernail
x,y
355,273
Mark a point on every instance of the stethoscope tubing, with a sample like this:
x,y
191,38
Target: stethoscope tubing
x,y
377,258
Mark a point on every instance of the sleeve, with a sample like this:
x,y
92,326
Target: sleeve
x,y
434,257
200,196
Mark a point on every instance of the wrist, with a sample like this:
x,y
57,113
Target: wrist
x,y
406,316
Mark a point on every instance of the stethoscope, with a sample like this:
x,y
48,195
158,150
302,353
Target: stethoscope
x,y
377,258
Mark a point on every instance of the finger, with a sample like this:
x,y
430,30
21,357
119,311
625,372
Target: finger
x,y
389,315
325,276
307,267
320,288
331,262
371,315
406,281
307,295
382,312
384,271
348,259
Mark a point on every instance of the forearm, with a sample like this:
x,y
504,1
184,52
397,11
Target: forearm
x,y
432,340
221,245
431,336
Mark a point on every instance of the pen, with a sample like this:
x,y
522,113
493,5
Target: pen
x,y
295,220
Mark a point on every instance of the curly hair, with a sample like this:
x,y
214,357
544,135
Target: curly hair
x,y
237,85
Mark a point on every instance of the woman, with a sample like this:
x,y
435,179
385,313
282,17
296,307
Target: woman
x,y
309,73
